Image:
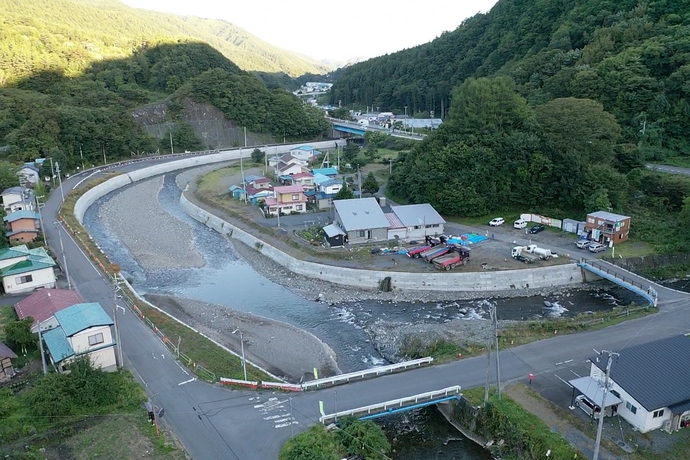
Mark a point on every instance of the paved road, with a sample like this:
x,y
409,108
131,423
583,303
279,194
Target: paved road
x,y
214,422
669,169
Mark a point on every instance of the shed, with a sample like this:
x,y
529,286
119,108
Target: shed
x,y
335,236
6,356
573,226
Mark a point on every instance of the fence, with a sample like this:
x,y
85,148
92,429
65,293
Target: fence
x,y
646,291
627,312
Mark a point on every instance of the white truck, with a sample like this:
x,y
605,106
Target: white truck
x,y
524,254
541,252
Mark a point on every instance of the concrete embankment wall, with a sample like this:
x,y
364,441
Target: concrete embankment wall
x,y
532,278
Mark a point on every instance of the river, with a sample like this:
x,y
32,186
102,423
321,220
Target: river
x,y
228,280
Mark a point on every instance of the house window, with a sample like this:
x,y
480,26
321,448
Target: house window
x,y
95,339
590,220
434,226
615,393
295,197
360,234
630,407
417,227
23,279
622,224
298,207
658,413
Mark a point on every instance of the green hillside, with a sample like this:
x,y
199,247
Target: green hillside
x,y
70,34
632,56
550,107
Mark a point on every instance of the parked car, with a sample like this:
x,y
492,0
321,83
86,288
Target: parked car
x,y
587,406
520,224
496,222
597,247
537,228
583,244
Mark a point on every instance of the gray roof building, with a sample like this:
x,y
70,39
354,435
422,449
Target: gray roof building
x,y
412,215
360,214
656,374
605,215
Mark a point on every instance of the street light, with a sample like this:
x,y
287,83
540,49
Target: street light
x,y
62,192
64,257
244,363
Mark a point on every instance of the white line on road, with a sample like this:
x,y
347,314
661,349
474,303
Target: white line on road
x,y
186,381
181,368
578,376
563,381
283,425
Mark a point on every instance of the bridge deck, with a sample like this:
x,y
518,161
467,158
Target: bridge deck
x,y
396,405
647,292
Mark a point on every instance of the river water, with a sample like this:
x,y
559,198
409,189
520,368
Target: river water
x,y
228,280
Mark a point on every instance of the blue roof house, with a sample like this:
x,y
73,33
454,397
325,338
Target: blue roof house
x,y
83,329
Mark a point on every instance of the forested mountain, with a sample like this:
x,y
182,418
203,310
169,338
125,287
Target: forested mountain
x,y
50,114
633,56
71,34
550,107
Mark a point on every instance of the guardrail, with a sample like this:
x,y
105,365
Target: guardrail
x,y
376,371
648,292
431,397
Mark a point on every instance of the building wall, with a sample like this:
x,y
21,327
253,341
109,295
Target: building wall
x,y
618,235
23,237
103,355
642,420
11,198
46,325
23,224
414,233
41,278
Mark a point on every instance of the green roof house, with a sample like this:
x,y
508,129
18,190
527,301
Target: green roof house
x,y
23,269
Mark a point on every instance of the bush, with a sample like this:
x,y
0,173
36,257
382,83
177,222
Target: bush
x,y
314,444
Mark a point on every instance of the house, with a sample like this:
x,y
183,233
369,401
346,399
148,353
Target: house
x,y
288,165
24,269
396,229
361,219
17,199
237,192
327,184
305,153
330,172
305,179
319,200
22,226
607,227
419,220
83,330
651,382
28,174
286,200
6,357
335,236
43,304
261,183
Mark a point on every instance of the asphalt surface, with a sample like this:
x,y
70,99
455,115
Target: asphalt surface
x,y
218,423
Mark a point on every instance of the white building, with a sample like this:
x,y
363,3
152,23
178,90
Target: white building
x,y
23,269
418,221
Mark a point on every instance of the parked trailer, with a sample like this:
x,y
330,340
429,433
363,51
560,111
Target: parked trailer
x,y
433,253
457,256
416,251
543,253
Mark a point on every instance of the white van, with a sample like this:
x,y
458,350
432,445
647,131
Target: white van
x,y
520,224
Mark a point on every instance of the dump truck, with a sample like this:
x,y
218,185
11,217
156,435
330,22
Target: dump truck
x,y
431,254
524,254
416,251
458,255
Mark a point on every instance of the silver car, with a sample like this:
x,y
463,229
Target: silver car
x,y
583,244
597,247
588,407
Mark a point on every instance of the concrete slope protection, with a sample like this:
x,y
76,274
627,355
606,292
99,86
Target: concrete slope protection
x,y
213,422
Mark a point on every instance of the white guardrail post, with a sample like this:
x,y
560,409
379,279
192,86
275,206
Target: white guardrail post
x,y
376,371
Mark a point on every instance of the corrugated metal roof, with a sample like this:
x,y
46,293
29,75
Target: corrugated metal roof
x,y
24,266
57,344
655,374
14,252
417,214
325,171
43,304
288,189
333,230
393,221
82,316
360,214
608,216
23,214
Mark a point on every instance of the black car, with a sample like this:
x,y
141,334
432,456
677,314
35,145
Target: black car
x,y
537,228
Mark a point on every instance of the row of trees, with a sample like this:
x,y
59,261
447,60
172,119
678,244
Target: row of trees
x,y
629,55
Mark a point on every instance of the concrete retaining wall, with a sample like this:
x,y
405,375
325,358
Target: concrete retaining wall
x,y
533,278
542,277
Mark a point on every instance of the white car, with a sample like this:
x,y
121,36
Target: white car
x,y
496,222
597,247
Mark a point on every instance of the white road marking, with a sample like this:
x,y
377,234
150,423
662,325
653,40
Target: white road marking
x,y
181,368
578,376
186,381
283,425
563,381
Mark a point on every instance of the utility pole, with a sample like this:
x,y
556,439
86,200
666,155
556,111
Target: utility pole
x,y
64,256
488,369
40,219
52,170
172,150
40,346
244,186
602,406
57,170
359,181
116,288
81,155
105,160
498,360
244,363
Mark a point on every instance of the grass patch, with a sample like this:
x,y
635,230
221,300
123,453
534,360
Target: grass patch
x,y
7,314
632,248
679,162
199,350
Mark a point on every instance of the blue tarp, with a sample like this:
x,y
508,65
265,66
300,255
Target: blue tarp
x,y
467,239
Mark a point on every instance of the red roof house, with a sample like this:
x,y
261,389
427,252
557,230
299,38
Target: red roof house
x,y
43,304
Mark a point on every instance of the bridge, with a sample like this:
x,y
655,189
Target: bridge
x,y
359,130
631,283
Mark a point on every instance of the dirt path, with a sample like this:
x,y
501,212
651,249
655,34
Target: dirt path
x,y
541,408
